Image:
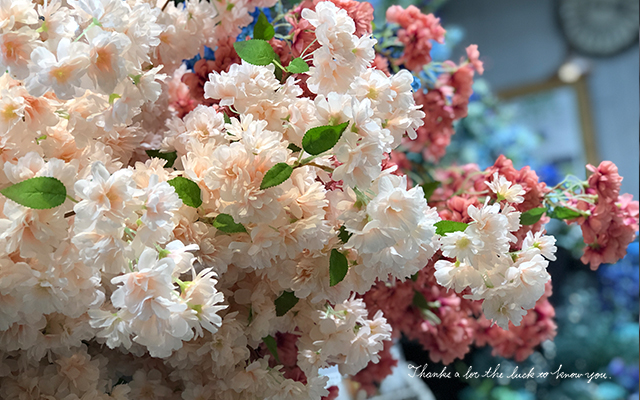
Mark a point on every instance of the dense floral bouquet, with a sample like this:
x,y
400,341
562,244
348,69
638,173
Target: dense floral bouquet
x,y
217,233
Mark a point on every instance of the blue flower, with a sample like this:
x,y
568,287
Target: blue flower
x,y
208,55
191,62
620,282
549,173
415,85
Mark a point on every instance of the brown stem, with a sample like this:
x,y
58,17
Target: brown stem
x,y
312,164
69,214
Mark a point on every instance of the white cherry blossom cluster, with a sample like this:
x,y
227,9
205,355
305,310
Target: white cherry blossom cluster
x,y
88,73
509,282
127,276
133,266
342,335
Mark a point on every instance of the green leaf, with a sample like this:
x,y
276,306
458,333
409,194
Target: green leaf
x,y
414,277
263,29
444,227
293,147
564,213
361,198
297,66
426,307
255,51
532,216
188,191
322,138
419,300
344,235
276,175
113,97
431,316
227,120
429,188
338,267
40,193
170,157
272,346
135,78
278,73
40,138
285,302
226,224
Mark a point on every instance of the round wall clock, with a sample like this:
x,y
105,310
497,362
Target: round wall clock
x,y
599,27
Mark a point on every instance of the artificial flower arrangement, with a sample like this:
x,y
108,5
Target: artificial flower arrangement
x,y
230,231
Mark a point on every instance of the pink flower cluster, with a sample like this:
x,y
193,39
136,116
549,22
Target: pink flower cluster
x,y
416,33
447,100
611,222
443,104
462,323
608,228
446,341
462,184
225,56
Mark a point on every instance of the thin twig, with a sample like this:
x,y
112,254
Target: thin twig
x,y
325,168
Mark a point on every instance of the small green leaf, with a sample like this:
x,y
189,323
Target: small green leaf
x,y
113,97
188,191
40,193
426,307
278,73
431,316
226,224
414,277
344,235
293,147
297,66
263,29
322,138
564,213
272,346
276,175
40,138
361,198
338,267
170,157
255,51
419,300
444,227
227,120
532,216
135,78
429,188
285,302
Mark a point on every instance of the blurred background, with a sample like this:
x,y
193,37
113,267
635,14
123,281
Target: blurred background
x,y
527,43
566,70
